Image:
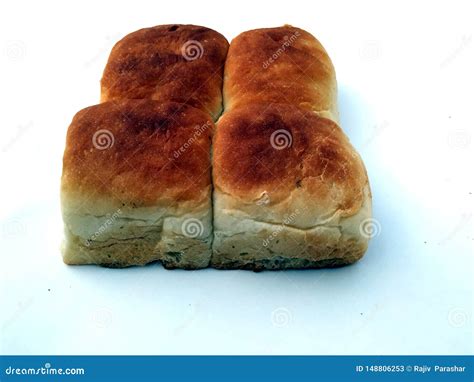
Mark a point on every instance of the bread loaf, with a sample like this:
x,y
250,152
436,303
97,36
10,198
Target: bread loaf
x,y
285,190
284,65
136,185
289,189
180,63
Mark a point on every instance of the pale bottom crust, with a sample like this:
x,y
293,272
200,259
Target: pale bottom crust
x,y
287,251
236,244
241,241
181,252
193,254
186,253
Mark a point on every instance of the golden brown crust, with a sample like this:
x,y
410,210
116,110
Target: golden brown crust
x,y
279,65
180,63
140,152
276,150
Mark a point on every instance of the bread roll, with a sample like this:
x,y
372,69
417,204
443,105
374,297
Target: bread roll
x,y
136,185
180,63
289,189
280,65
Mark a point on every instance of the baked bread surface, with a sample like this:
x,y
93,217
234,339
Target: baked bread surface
x,y
136,185
180,63
280,65
289,191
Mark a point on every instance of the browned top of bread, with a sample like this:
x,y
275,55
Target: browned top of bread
x,y
279,65
285,154
139,152
180,63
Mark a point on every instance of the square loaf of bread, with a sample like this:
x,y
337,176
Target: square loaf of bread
x,y
136,185
275,184
289,191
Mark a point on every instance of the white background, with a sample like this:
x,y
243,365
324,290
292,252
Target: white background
x,y
406,83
